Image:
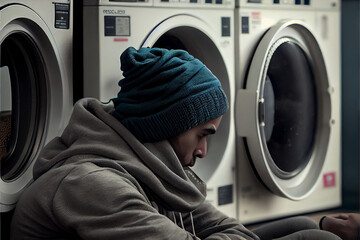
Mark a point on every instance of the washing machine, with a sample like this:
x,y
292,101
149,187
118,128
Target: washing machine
x,y
287,107
35,87
204,28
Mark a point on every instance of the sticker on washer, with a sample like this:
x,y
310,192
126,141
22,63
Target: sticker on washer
x,y
117,25
255,19
329,179
62,15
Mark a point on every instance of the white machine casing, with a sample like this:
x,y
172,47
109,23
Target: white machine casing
x,y
264,194
206,31
36,58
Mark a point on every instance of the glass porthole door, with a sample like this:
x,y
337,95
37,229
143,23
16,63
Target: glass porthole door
x,y
32,97
283,111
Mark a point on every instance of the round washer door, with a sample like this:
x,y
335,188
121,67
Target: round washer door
x,y
193,35
284,110
32,101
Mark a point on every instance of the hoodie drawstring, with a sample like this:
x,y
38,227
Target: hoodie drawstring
x,y
192,224
182,222
174,218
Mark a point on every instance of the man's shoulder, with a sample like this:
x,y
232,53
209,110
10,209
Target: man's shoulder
x,y
98,173
92,174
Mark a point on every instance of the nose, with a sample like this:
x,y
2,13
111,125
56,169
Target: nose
x,y
201,149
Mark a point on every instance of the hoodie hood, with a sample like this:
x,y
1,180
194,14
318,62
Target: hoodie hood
x,y
94,135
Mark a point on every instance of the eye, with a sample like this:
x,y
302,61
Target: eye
x,y
200,136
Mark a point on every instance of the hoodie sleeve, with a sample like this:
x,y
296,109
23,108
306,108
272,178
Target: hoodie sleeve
x,y
95,203
211,224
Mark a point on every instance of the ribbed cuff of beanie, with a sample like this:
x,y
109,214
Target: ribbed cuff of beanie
x,y
179,117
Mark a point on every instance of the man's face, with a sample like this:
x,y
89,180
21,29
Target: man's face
x,y
192,143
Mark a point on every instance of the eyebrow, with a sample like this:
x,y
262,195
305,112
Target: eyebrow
x,y
210,130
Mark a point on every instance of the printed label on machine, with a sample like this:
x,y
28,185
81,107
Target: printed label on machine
x,y
225,26
225,194
245,24
62,15
117,25
255,20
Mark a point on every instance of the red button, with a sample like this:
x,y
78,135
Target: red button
x,y
329,179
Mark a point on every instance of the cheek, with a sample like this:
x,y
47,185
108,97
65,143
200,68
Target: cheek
x,y
184,149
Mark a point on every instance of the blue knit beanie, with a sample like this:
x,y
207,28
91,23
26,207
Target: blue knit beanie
x,y
165,93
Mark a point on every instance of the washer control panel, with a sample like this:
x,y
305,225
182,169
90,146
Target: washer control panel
x,y
317,4
195,3
228,4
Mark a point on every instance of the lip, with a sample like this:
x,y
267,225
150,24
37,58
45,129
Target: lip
x,y
192,163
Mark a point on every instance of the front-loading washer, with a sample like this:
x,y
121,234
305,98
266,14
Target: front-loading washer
x,y
287,107
35,88
204,28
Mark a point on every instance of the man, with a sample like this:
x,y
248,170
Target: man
x,y
121,170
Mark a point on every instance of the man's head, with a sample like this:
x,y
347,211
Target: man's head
x,y
192,144
165,93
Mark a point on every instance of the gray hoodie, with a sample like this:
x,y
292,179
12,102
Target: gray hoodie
x,y
97,181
